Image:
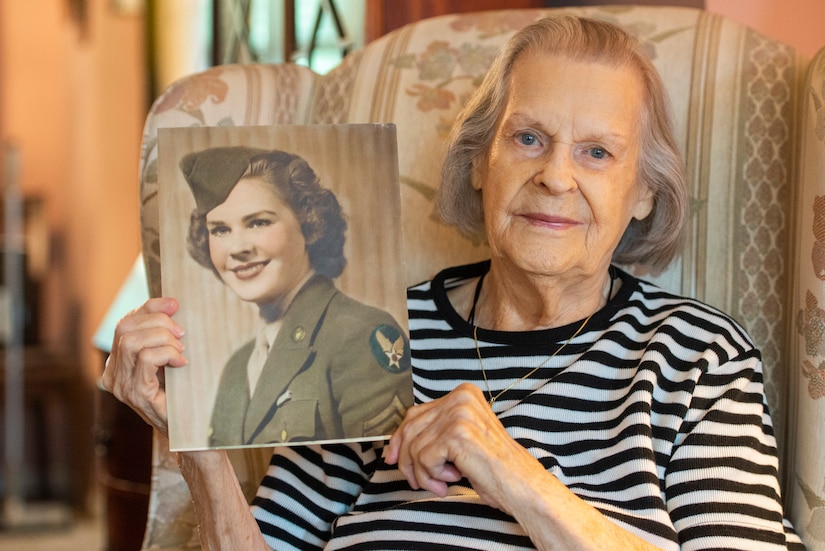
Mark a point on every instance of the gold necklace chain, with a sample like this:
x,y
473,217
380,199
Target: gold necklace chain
x,y
471,319
493,399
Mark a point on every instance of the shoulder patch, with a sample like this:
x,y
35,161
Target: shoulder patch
x,y
389,347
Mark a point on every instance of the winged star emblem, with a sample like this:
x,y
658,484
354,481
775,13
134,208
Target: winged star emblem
x,y
394,350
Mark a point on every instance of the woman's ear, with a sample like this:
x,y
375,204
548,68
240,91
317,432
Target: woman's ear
x,y
644,204
477,172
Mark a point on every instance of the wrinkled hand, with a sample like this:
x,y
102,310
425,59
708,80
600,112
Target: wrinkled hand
x,y
458,435
146,340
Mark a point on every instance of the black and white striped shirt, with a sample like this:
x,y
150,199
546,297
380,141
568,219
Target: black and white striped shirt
x,y
654,414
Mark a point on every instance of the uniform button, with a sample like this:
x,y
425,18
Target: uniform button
x,y
283,436
299,334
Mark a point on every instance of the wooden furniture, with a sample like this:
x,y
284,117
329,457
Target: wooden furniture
x,y
124,446
57,439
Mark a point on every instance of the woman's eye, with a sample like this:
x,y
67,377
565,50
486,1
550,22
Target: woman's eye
x,y
218,231
527,139
597,152
259,223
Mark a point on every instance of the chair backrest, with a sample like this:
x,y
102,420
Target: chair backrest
x,y
737,99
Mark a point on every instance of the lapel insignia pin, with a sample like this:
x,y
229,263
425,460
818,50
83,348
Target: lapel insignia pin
x,y
299,334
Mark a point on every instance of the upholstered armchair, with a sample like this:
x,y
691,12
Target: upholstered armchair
x,y
750,118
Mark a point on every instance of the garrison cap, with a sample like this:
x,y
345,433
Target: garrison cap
x,y
213,173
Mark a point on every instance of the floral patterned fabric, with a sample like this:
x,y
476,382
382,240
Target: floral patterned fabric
x,y
805,489
757,231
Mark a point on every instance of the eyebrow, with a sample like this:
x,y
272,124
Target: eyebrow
x,y
246,218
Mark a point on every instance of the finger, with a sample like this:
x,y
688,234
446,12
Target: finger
x,y
399,449
152,336
398,452
391,452
431,463
142,373
144,391
156,312
151,362
405,431
420,455
122,363
135,378
157,305
435,476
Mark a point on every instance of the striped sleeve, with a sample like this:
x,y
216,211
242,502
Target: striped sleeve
x,y
721,483
306,488
721,480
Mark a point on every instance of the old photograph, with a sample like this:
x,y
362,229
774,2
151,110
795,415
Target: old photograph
x,y
283,246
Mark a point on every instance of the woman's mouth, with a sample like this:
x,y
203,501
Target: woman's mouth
x,y
549,221
249,270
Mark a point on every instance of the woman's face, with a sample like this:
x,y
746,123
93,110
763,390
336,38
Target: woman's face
x,y
256,244
559,180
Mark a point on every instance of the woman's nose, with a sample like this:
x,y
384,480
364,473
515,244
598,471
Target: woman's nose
x,y
556,171
240,246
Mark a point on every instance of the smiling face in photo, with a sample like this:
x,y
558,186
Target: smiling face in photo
x,y
256,244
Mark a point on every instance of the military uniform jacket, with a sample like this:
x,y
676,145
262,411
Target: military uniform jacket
x,y
337,369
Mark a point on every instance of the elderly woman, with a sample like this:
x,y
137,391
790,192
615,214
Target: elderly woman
x,y
561,403
318,369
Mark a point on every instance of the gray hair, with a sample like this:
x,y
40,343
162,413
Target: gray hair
x,y
653,241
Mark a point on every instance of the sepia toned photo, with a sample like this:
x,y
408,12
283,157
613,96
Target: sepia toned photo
x,y
283,247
